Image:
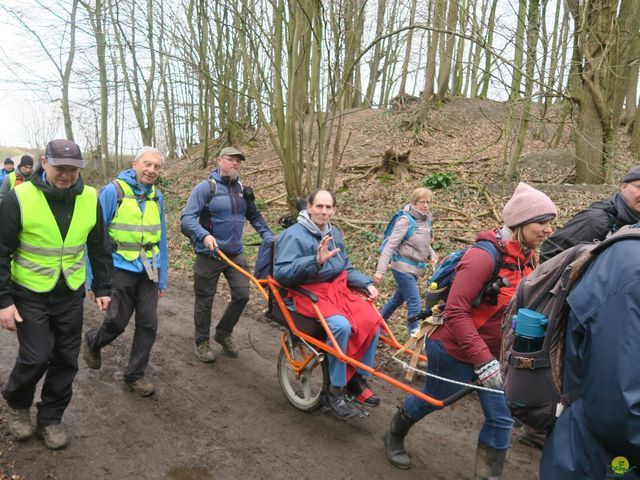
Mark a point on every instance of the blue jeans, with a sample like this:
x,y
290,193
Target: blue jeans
x,y
407,291
496,430
341,329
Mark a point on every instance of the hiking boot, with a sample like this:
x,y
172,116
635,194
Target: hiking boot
x,y
92,356
142,387
489,462
204,352
359,389
55,437
19,421
228,346
394,440
532,438
338,404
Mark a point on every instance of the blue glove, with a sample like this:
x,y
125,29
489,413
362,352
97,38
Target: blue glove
x,y
489,374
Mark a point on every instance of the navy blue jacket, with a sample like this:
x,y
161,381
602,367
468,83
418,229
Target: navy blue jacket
x,y
295,259
227,212
602,354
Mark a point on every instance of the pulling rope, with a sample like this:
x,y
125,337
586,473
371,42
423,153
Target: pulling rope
x,y
438,377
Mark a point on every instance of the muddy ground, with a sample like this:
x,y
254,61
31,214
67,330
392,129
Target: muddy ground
x,y
230,420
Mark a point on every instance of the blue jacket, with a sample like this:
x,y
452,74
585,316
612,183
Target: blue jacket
x,y
602,353
295,257
227,213
109,201
3,175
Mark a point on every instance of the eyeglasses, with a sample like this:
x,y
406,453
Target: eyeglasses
x,y
425,203
635,185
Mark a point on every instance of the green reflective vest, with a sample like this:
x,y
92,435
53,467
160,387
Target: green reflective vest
x,y
133,232
12,180
42,256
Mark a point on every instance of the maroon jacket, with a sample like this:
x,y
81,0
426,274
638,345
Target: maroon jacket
x,y
474,335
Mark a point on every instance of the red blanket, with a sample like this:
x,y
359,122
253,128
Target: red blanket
x,y
335,298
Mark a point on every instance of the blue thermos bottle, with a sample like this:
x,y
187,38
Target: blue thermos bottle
x,y
530,328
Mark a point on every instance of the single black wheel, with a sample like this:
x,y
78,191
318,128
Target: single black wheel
x,y
303,390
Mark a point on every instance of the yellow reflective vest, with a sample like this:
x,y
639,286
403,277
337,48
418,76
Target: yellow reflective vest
x,y
42,256
133,232
12,180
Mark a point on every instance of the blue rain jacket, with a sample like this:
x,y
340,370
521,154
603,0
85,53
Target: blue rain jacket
x,y
601,358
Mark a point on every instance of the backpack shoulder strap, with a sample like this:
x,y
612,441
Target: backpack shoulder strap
x,y
623,233
119,191
412,224
213,188
492,250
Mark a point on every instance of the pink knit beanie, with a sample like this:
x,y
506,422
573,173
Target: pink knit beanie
x,y
527,205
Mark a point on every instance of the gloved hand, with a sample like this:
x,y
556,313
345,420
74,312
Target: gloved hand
x,y
489,374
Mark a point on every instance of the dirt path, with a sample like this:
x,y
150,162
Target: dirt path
x,y
230,420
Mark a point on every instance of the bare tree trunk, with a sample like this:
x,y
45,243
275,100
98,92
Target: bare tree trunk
x,y
486,77
97,17
518,48
444,74
434,37
635,135
374,66
607,31
533,24
407,55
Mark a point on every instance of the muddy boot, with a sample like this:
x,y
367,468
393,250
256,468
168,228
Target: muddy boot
x,y
19,421
204,352
92,356
228,345
336,401
532,438
489,462
394,440
142,387
54,436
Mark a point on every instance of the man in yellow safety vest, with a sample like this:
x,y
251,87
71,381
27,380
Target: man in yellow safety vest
x,y
47,224
133,210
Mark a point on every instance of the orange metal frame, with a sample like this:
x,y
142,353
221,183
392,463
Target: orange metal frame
x,y
386,337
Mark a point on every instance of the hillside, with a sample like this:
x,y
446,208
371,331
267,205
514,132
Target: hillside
x,y
464,138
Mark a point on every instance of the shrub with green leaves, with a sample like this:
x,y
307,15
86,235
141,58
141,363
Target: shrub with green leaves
x,y
438,180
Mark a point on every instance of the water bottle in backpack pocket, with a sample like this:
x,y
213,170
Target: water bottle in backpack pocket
x,y
528,358
529,329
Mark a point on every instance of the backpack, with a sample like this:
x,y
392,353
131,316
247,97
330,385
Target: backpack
x,y
533,380
203,218
392,223
445,273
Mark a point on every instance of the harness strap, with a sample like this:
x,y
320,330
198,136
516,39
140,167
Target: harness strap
x,y
397,258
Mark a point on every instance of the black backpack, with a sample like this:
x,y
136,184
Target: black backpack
x,y
533,380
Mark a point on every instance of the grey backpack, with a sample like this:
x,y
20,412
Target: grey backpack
x,y
533,380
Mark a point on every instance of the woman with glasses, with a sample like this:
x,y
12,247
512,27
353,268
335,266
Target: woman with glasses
x,y
406,252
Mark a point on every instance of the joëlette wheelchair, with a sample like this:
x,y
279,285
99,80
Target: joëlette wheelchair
x,y
302,367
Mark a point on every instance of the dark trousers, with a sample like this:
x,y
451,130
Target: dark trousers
x,y
49,336
133,291
206,272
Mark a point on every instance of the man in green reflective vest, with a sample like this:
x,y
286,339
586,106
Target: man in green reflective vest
x,y
21,174
47,224
133,210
